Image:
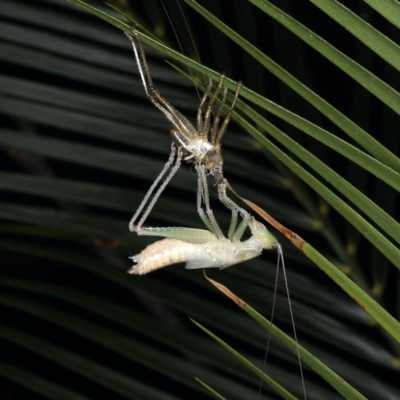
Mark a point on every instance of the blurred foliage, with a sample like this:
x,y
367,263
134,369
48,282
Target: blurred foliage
x,y
81,145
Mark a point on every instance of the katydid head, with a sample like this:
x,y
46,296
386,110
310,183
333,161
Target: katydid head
x,y
267,239
214,164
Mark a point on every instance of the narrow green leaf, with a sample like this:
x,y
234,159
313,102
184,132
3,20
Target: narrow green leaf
x,y
371,37
388,224
101,14
365,78
382,171
315,324
346,390
217,395
389,9
347,125
389,323
270,382
366,229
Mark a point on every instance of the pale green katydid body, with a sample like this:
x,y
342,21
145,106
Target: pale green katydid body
x,y
201,249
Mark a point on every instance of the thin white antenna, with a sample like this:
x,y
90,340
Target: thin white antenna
x,y
280,255
271,319
191,36
179,42
280,258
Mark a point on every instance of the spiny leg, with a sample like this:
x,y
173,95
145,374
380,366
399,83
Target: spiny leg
x,y
172,172
211,222
233,224
200,196
200,110
203,196
141,60
227,119
207,116
234,234
173,115
217,117
178,120
152,187
216,137
143,68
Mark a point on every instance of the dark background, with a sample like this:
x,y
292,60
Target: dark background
x,y
72,78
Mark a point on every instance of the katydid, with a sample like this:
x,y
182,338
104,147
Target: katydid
x,y
201,249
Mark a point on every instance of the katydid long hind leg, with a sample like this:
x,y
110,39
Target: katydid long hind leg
x,y
180,122
188,235
144,71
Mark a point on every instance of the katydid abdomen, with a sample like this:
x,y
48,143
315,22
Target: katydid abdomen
x,y
216,253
